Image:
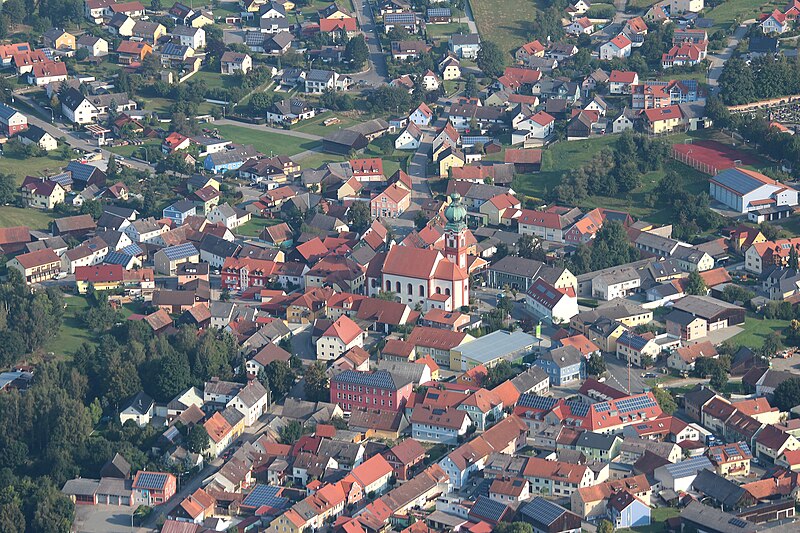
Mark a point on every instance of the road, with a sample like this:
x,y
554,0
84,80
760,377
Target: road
x,y
718,59
378,72
188,488
72,138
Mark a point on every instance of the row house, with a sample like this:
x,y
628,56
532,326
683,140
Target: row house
x,y
557,478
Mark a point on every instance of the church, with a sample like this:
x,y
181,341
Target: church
x,y
432,279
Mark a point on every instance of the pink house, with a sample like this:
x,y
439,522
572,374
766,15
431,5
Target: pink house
x,y
374,390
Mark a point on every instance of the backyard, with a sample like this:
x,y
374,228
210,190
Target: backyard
x,y
254,226
73,332
504,22
32,166
16,216
756,329
726,13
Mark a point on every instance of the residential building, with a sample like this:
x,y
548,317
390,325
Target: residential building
x,y
375,390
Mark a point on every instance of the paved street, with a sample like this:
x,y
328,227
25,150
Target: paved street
x,y
378,72
718,59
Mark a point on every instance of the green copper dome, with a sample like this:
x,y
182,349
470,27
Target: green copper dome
x,y
456,213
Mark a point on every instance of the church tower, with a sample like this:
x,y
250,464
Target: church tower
x,y
455,240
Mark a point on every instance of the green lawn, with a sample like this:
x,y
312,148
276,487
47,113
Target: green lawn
x,y
756,329
504,21
33,218
214,80
657,518
315,125
316,160
127,151
725,13
73,333
443,31
255,225
32,166
266,141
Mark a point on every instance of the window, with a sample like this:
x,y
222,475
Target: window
x,y
447,292
422,290
409,289
397,287
388,285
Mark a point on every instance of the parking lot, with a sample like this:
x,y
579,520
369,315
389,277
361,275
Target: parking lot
x,y
104,519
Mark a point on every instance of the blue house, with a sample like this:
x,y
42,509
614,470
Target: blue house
x,y
180,211
626,510
222,162
563,365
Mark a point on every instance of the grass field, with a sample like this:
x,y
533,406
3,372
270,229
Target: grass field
x,y
32,166
443,31
756,329
565,156
127,151
73,333
266,142
504,22
33,218
214,80
318,159
255,225
315,125
725,13
641,4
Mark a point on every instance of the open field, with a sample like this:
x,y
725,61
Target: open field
x,y
314,126
16,216
32,166
504,22
73,333
756,329
255,225
725,13
265,141
127,151
443,31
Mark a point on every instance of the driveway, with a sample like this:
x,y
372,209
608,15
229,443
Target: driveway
x,y
718,59
105,519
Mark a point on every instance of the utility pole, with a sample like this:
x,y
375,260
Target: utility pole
x,y
629,375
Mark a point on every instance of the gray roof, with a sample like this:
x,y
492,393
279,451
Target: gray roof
x,y
320,76
713,519
179,251
141,403
726,492
217,246
251,394
529,379
737,181
563,356
470,38
497,344
688,467
598,441
80,487
518,266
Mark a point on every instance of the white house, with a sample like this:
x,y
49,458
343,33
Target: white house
x,y
556,305
430,81
252,401
621,81
580,26
342,335
188,36
229,216
409,138
443,426
77,108
618,47
775,23
422,115
538,126
140,409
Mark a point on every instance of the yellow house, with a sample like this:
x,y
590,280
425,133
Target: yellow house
x,y
664,119
288,522
450,68
44,194
449,158
203,19
333,12
59,39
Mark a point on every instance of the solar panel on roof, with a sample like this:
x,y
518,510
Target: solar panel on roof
x,y
635,404
486,508
577,408
738,522
688,467
265,495
536,402
602,407
180,251
543,511
151,481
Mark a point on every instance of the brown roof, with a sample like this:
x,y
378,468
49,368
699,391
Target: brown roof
x,y
702,349
447,418
528,156
772,438
715,277
38,258
397,348
564,472
271,352
382,311
381,420
343,328
512,486
483,399
408,451
159,319
602,491
440,339
14,235
75,223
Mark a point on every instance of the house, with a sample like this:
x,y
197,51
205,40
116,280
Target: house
x,y
153,488
746,190
776,22
318,81
465,46
443,426
228,216
550,225
407,20
58,39
166,260
556,477
235,63
133,52
290,111
41,193
77,108
150,32
179,211
121,25
538,126
402,50
430,82
132,9
680,476
450,68
232,159
590,502
626,510
392,202
554,305
39,137
618,47
549,517
409,138
189,36
139,409
621,82
580,26
97,46
422,115
11,120
381,389
683,359
760,256
528,50
664,119
771,442
252,401
563,365
677,7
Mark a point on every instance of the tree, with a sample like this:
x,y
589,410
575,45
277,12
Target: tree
x,y
471,86
291,432
513,527
317,384
54,512
547,25
787,394
719,378
665,400
260,103
772,345
529,247
359,216
8,188
611,247
695,285
197,439
596,365
736,293
280,376
605,527
491,60
498,374
155,5
356,51
420,220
